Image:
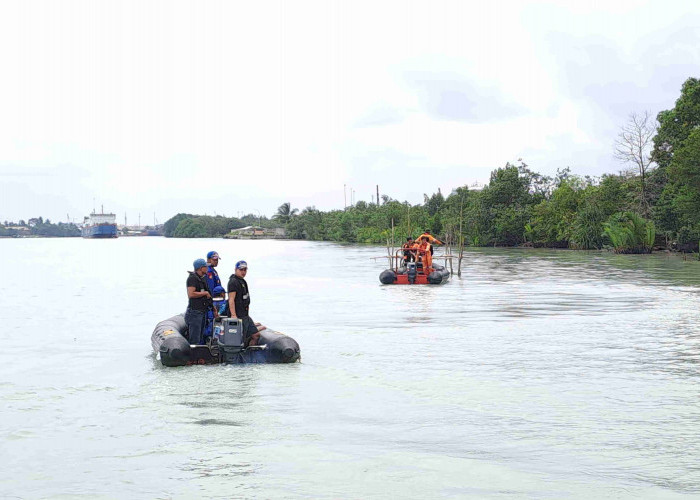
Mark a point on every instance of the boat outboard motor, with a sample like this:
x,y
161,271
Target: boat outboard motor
x,y
411,272
229,336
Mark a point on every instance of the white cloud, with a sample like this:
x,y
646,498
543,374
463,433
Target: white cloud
x,y
226,106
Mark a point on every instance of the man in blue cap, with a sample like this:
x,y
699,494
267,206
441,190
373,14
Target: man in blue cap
x,y
199,303
239,302
212,276
213,281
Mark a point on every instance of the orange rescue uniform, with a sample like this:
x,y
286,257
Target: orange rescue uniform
x,y
425,255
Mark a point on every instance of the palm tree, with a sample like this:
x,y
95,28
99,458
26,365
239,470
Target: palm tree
x,y
285,213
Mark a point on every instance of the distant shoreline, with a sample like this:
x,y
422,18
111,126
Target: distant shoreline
x,y
249,238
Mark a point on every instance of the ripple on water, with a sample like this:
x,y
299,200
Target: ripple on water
x,y
536,374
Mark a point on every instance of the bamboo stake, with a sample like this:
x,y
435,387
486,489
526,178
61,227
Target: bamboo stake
x,y
408,209
388,254
461,239
392,236
448,251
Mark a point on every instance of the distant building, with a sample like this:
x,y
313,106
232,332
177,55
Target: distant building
x,y
157,230
256,232
476,186
14,231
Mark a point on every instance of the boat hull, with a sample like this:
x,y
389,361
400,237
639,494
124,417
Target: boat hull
x,y
438,276
173,349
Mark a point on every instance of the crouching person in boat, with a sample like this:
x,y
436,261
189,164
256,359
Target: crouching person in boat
x,y
239,303
409,251
199,303
220,302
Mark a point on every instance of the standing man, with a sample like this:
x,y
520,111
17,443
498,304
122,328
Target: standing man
x,y
213,282
199,302
239,302
425,254
212,276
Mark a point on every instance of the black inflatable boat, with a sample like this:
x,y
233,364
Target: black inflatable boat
x,y
173,349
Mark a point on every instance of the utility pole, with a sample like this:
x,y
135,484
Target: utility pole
x,y
345,200
377,194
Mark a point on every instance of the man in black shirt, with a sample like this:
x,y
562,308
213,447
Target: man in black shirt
x,y
199,302
409,254
239,302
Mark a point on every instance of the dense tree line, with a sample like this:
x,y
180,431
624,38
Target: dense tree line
x,y
517,207
206,226
39,227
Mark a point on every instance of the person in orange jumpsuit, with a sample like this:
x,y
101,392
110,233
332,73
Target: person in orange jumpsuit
x,y
424,253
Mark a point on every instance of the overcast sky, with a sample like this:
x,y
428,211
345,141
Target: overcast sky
x,y
221,107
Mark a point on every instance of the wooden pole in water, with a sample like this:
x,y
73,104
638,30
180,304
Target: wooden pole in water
x,y
461,239
448,250
388,251
408,210
392,241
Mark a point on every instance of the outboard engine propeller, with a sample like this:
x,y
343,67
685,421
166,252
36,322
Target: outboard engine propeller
x,y
411,272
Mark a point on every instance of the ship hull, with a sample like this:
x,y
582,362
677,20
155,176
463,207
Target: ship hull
x,y
100,231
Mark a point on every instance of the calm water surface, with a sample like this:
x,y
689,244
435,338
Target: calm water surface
x,y
538,374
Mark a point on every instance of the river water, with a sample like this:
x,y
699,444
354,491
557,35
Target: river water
x,y
537,374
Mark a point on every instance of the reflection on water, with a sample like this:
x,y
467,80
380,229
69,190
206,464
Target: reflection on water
x,y
536,374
